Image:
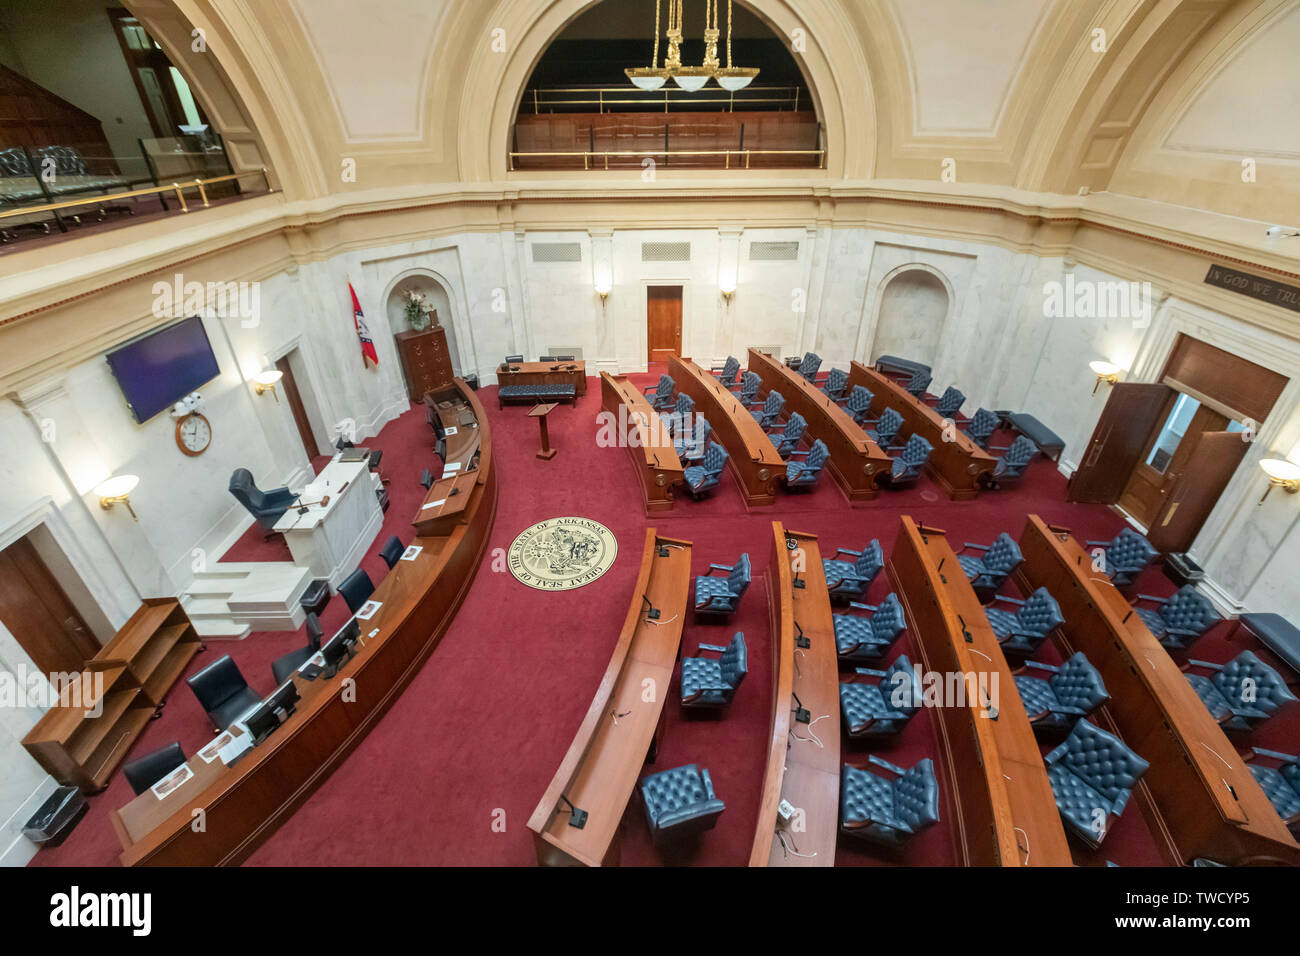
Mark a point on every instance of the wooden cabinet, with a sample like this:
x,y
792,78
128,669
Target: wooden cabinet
x,y
425,361
83,739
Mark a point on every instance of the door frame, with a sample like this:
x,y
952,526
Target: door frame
x,y
308,393
643,336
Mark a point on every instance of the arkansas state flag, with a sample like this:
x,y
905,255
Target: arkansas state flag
x,y
363,330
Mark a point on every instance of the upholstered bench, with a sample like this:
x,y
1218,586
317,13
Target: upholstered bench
x,y
1276,633
1048,442
536,393
893,365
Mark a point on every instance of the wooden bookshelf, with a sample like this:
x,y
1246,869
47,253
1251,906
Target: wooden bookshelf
x,y
83,739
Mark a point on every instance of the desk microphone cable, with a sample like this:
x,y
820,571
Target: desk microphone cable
x,y
812,737
790,849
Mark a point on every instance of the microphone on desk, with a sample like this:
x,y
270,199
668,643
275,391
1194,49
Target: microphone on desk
x,y
653,613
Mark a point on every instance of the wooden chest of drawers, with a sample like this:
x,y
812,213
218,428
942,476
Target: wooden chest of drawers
x,y
425,361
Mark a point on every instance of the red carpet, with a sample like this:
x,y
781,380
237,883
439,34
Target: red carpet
x,y
481,729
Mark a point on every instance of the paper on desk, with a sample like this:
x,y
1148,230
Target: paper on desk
x,y
237,747
368,610
412,552
173,780
213,750
451,431
433,504
317,659
454,466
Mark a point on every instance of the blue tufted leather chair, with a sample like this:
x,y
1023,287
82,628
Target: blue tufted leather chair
x,y
771,410
949,403
1281,784
881,709
918,383
1242,693
663,393
1126,556
1092,775
700,478
865,638
1021,632
907,467
749,383
982,426
222,692
859,404
804,474
679,803
845,580
711,683
836,381
727,373
143,772
809,366
1011,466
1179,620
717,596
680,413
692,439
1074,690
888,812
791,435
1000,558
887,427
266,506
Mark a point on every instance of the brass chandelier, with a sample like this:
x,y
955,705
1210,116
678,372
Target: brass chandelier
x,y
691,78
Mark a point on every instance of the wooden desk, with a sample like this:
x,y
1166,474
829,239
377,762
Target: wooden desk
x,y
1197,795
798,770
460,429
753,457
444,505
957,465
605,760
245,803
997,798
545,373
653,455
855,460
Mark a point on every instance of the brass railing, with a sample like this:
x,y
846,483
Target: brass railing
x,y
177,187
607,97
588,156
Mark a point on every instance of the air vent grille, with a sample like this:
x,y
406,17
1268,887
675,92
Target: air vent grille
x,y
665,252
557,252
773,251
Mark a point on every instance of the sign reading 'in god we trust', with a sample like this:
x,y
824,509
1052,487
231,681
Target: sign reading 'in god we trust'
x,y
560,554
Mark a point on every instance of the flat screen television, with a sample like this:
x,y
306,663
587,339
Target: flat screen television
x,y
158,370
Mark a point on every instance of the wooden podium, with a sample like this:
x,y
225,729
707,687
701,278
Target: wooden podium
x,y
540,412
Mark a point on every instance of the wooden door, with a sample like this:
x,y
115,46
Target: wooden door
x,y
1132,413
1152,480
39,615
294,398
664,321
1195,482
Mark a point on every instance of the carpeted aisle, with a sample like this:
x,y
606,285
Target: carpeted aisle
x,y
452,772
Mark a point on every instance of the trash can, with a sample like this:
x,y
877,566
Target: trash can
x,y
52,823
472,382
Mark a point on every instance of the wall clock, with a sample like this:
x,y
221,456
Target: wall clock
x,y
193,434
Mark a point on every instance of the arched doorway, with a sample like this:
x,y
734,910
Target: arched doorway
x,y
913,309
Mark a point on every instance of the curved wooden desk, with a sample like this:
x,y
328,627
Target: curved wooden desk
x,y
653,455
243,804
998,800
957,464
545,373
601,767
799,770
753,457
1198,796
855,460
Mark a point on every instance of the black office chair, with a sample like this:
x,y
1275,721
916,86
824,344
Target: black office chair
x,y
265,506
514,359
375,457
548,358
282,668
143,772
223,692
564,358
392,551
356,589
426,479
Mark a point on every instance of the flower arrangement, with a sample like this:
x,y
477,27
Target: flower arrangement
x,y
417,313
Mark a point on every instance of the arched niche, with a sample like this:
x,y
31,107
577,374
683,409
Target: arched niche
x,y
436,294
915,301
